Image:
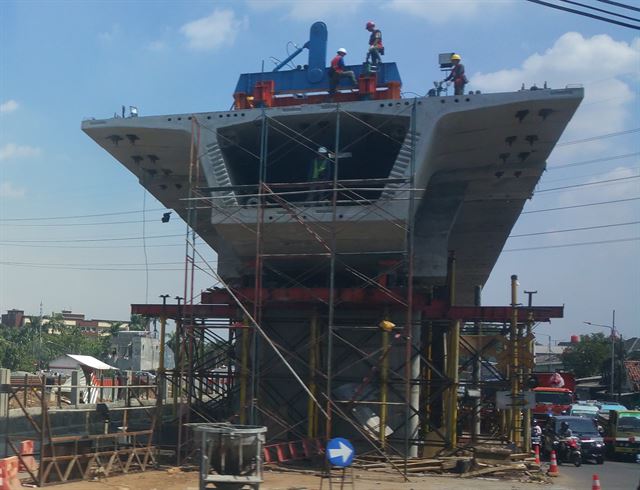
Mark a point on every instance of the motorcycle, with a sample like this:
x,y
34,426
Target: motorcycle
x,y
569,450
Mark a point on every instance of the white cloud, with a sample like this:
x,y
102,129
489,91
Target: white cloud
x,y
601,64
446,10
156,46
218,29
305,10
109,36
8,106
8,190
11,150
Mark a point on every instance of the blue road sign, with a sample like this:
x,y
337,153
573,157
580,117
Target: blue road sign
x,y
340,452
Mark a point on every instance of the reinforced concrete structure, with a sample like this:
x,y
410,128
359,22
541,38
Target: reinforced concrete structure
x,y
343,300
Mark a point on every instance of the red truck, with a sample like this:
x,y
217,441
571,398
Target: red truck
x,y
550,398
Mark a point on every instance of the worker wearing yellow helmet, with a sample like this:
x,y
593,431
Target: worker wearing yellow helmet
x,y
457,75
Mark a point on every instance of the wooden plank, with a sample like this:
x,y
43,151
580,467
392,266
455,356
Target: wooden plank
x,y
494,469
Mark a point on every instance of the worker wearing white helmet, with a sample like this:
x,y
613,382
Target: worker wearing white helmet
x,y
337,71
319,171
457,75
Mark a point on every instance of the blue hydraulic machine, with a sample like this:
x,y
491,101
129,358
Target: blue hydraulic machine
x,y
309,84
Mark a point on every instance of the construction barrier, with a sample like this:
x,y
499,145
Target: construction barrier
x,y
292,450
553,468
27,460
596,483
9,474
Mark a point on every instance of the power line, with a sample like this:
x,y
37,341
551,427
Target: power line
x,y
576,244
595,160
76,240
27,245
588,183
575,229
585,14
79,216
600,10
580,205
618,4
598,137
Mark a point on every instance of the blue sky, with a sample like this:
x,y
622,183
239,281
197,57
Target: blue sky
x,y
62,61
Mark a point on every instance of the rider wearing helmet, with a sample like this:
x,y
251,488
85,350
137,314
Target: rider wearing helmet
x,y
457,75
376,49
337,71
565,431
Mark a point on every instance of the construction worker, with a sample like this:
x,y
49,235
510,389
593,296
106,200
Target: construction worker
x,y
337,71
457,75
376,49
319,170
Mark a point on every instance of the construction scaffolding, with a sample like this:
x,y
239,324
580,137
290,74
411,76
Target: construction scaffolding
x,y
326,340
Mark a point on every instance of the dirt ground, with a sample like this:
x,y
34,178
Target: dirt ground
x,y
167,480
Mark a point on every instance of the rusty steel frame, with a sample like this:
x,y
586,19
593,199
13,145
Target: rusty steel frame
x,y
114,458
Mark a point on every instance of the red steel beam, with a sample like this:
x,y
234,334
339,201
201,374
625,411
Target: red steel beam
x,y
219,304
172,311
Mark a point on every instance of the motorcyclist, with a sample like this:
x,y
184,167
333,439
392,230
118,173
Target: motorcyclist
x,y
565,431
564,435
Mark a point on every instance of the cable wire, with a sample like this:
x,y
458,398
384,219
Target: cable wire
x,y
587,184
575,229
580,205
600,10
595,160
599,137
575,244
78,216
585,14
618,4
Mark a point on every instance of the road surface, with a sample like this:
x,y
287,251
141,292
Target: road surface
x,y
614,475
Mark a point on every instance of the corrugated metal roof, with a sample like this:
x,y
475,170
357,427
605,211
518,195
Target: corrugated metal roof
x,y
90,361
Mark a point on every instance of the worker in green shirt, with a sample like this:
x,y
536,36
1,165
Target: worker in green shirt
x,y
319,171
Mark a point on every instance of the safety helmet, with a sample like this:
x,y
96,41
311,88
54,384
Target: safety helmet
x,y
342,51
455,57
370,24
322,149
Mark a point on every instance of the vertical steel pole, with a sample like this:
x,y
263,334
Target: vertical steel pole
x,y
257,302
516,414
412,421
244,369
453,355
477,370
312,413
332,274
613,351
384,379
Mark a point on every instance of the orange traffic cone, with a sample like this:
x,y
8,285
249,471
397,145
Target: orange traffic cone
x,y
596,483
537,451
553,468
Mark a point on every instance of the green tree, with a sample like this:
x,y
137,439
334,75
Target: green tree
x,y
138,322
586,358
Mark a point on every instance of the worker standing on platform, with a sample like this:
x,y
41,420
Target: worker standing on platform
x,y
457,75
376,48
337,71
319,171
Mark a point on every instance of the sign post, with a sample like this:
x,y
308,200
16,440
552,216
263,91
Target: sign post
x,y
340,454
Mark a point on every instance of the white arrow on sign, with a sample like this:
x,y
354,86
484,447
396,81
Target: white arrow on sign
x,y
344,451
